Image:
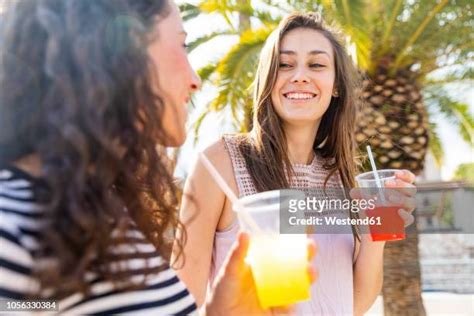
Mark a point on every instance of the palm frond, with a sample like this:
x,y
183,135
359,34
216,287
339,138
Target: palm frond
x,y
455,76
435,145
266,18
220,7
236,71
188,11
391,23
206,71
198,123
227,9
203,39
466,120
210,6
438,100
349,15
300,5
352,18
363,48
418,31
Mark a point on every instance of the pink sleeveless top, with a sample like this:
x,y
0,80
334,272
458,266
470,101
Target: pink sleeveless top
x,y
332,293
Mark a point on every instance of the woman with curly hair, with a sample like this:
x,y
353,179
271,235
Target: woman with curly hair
x,y
91,92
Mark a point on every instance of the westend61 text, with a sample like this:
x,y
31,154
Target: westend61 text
x,y
313,220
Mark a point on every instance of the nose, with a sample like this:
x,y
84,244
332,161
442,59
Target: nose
x,y
300,75
195,81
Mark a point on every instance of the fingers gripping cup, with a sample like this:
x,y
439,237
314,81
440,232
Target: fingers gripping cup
x,y
278,261
389,226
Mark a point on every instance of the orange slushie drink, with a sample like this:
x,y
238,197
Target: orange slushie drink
x,y
278,261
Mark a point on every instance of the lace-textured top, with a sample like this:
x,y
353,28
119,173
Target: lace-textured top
x,y
332,293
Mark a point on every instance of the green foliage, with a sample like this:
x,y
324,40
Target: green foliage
x,y
437,99
410,32
236,70
465,172
435,145
421,35
206,71
463,74
188,11
204,39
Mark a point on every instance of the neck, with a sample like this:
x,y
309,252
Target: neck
x,y
300,141
30,164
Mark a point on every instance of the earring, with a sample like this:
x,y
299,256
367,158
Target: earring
x,y
335,93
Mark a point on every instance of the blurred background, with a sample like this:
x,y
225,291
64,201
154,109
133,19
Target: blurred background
x,y
417,60
417,57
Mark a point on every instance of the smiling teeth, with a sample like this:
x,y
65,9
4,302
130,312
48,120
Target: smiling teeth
x,y
300,96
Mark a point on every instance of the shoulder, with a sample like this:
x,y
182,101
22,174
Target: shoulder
x,y
224,151
18,213
217,149
220,157
163,293
227,143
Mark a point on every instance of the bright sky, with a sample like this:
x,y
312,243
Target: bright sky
x,y
456,150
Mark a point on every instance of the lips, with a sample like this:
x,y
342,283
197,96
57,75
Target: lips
x,y
299,95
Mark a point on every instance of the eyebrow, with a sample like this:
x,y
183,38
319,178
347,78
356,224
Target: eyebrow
x,y
313,52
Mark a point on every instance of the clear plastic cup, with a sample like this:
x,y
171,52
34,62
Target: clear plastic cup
x,y
367,179
388,225
278,261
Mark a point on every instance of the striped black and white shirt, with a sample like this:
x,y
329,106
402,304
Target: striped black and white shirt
x,y
20,230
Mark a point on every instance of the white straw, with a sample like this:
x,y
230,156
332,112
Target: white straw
x,y
376,175
229,193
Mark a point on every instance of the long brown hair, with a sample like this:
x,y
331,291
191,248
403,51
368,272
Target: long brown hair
x,y
265,150
76,89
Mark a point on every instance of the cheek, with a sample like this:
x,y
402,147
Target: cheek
x,y
327,81
178,63
276,91
170,65
275,97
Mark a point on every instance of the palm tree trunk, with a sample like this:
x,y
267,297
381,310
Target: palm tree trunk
x,y
395,124
402,282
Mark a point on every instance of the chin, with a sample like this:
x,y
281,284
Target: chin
x,y
174,139
300,120
174,142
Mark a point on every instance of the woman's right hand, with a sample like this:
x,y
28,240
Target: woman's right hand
x,y
234,292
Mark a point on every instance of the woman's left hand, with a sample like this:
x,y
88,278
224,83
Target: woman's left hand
x,y
403,195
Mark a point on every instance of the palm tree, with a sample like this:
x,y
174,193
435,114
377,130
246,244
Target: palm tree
x,y
234,72
409,51
398,46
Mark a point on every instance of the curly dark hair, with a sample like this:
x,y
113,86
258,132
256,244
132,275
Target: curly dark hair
x,y
76,90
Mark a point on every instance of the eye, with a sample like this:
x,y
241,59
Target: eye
x,y
284,65
186,46
316,65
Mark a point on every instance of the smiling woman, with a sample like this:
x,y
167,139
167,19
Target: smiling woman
x,y
90,93
304,86
302,137
305,103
